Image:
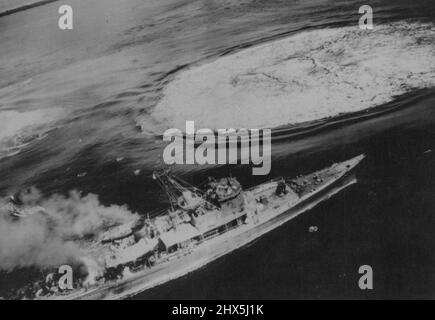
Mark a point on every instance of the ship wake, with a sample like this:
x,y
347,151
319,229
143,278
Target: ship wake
x,y
304,77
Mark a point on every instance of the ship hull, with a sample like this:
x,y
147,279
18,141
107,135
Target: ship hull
x,y
217,247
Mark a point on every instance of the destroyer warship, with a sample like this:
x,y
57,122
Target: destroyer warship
x,y
200,226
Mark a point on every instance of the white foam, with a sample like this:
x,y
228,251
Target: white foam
x,y
13,122
16,127
303,77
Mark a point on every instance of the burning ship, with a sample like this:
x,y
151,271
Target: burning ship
x,y
200,226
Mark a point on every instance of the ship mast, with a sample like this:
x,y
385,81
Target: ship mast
x,y
174,186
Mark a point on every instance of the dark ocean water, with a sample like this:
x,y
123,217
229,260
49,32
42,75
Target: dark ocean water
x,y
111,71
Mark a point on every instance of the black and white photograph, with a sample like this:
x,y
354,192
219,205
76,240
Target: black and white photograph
x,y
217,150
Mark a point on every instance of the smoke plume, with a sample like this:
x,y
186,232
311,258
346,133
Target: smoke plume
x,y
50,237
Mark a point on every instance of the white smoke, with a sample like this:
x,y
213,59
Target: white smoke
x,y
51,238
93,269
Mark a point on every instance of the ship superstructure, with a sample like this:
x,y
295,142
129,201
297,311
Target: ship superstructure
x,y
201,225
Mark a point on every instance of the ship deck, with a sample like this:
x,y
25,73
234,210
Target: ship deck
x,y
276,213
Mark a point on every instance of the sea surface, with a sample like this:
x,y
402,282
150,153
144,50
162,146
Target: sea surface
x,y
85,110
